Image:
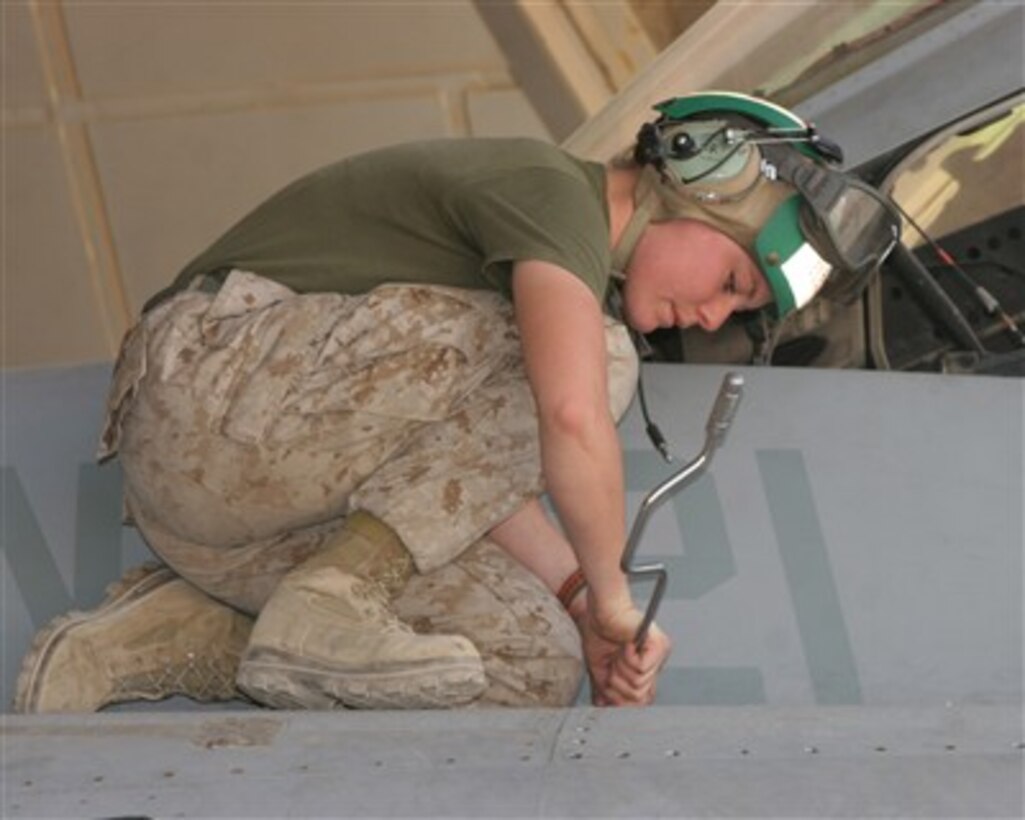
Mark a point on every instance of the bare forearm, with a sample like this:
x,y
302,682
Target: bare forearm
x,y
591,511
563,335
584,474
532,538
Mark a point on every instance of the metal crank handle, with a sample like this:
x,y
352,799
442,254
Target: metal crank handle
x,y
725,408
719,420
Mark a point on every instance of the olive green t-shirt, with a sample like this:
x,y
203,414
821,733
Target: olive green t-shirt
x,y
455,212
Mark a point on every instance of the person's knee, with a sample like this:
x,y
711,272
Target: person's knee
x,y
529,645
531,682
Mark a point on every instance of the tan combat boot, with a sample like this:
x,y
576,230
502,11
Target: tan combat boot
x,y
327,637
155,635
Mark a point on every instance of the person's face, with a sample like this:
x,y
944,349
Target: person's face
x,y
684,273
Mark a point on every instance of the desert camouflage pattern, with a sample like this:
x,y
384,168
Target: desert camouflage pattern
x,y
251,421
529,646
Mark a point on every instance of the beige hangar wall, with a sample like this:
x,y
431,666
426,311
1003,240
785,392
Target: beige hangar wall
x,y
134,133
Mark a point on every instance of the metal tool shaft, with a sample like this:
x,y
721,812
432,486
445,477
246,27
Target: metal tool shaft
x,y
719,421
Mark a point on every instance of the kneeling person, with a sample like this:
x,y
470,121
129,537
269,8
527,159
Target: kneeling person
x,y
335,424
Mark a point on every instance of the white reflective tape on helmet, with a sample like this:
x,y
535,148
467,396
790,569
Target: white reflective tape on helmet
x,y
805,272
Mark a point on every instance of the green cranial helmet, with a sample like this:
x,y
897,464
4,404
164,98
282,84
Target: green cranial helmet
x,y
767,179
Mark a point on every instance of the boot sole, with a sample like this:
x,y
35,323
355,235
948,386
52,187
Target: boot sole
x,y
131,586
313,686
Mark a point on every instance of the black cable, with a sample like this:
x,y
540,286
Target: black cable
x,y
979,263
658,440
934,298
988,301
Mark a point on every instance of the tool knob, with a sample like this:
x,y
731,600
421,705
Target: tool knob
x,y
725,408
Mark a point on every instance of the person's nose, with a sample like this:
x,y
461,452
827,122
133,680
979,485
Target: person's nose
x,y
713,314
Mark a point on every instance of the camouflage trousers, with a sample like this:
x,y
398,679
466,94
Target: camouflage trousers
x,y
251,421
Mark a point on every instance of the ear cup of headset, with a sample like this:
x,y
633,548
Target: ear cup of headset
x,y
648,149
653,147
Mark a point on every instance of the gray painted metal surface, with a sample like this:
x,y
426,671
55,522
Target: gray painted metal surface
x,y
671,762
846,580
964,63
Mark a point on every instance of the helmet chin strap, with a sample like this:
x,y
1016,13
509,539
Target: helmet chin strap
x,y
646,204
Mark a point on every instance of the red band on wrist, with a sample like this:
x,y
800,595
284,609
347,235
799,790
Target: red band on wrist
x,y
571,587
